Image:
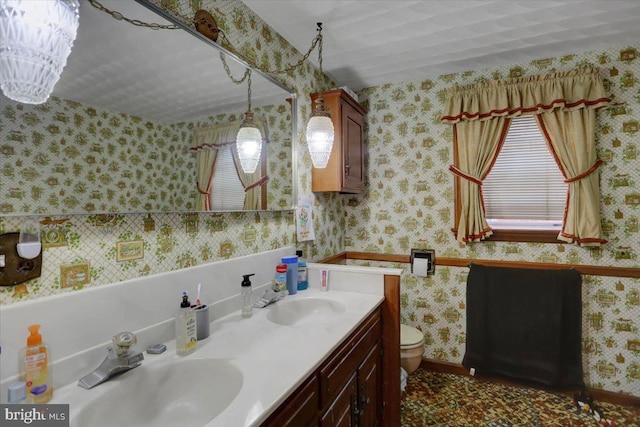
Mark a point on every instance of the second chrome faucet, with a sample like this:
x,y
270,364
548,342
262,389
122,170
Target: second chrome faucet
x,y
120,358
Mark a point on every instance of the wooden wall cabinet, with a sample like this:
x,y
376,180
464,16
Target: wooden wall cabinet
x,y
346,390
345,171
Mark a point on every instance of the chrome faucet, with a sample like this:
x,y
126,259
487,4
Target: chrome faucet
x,y
270,296
120,358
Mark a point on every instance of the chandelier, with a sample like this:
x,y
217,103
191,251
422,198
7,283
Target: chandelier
x,y
35,40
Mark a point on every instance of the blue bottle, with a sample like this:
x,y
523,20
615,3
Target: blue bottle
x,y
303,283
292,273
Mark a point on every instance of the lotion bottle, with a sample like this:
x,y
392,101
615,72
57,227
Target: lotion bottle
x,y
186,328
35,368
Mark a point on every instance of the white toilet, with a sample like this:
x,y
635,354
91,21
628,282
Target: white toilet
x,y
411,348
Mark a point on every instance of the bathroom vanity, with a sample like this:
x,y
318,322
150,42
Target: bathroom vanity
x,y
314,358
346,389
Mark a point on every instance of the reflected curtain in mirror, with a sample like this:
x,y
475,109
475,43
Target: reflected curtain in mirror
x,y
207,143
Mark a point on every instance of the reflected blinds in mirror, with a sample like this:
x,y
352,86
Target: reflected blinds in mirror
x,y
210,144
228,192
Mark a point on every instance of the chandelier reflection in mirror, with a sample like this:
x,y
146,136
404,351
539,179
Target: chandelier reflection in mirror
x,y
249,139
35,41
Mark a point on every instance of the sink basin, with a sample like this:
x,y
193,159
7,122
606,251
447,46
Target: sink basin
x,y
298,311
183,393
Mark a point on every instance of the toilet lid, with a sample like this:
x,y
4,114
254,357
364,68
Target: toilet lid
x,y
410,336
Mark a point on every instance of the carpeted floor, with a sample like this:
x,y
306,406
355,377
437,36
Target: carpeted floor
x,y
448,400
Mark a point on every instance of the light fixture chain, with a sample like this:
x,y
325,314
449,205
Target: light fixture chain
x,y
319,45
249,88
247,71
288,68
298,64
317,41
120,17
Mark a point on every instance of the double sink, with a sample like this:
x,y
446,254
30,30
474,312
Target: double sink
x,y
168,390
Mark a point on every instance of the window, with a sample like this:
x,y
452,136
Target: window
x,y
479,113
525,189
227,192
525,193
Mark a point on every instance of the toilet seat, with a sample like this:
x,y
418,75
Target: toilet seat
x,y
410,337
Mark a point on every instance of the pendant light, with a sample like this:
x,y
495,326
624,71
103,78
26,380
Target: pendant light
x,y
320,131
249,139
35,40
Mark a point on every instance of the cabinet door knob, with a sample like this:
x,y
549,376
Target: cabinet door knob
x,y
355,410
364,399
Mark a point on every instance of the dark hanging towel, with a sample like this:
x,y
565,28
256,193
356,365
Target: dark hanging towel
x,y
525,324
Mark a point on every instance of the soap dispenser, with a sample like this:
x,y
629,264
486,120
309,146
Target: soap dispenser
x,y
186,328
247,296
35,368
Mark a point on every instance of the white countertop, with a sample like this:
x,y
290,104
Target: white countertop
x,y
274,359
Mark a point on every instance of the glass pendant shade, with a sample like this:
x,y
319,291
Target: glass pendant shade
x,y
249,144
320,135
35,40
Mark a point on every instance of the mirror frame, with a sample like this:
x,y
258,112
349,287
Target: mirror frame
x,y
294,99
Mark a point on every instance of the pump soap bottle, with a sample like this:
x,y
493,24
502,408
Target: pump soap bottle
x,y
186,328
35,368
247,296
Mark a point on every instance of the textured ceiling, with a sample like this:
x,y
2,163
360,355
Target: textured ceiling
x,y
172,76
368,43
162,75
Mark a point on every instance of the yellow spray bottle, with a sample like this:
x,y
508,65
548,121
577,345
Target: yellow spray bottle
x,y
35,368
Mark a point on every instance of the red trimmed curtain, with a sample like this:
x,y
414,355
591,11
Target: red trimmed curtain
x,y
570,137
565,106
479,143
206,142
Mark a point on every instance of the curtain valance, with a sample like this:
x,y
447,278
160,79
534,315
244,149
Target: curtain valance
x,y
570,90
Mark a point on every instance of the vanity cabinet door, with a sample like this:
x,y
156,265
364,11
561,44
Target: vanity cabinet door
x,y
370,388
301,409
346,390
345,171
337,371
344,407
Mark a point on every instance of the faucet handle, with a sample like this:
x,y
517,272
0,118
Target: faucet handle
x,y
123,341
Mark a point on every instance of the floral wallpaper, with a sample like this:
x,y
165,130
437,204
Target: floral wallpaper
x,y
64,157
408,203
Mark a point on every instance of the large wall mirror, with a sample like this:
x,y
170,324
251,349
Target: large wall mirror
x,y
117,134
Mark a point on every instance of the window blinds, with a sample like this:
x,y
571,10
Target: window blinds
x,y
227,192
525,188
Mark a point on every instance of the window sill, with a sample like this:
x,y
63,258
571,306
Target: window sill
x,y
535,236
531,236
